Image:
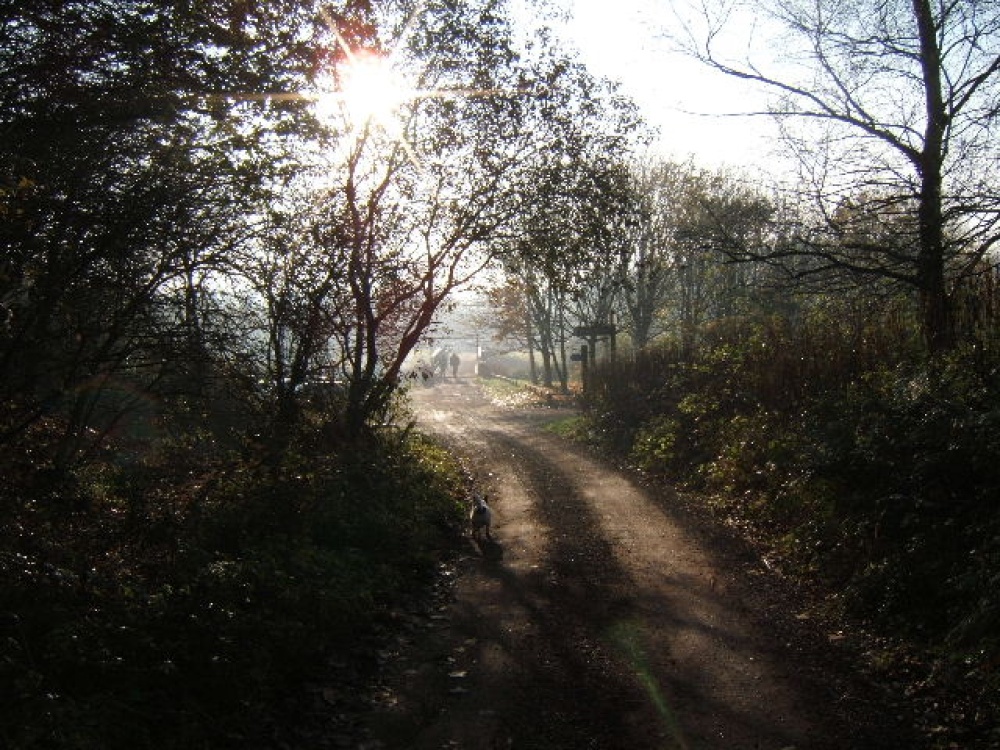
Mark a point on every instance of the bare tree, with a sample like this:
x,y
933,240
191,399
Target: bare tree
x,y
419,205
654,262
893,102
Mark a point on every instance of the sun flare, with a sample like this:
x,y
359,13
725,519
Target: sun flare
x,y
368,92
372,90
365,91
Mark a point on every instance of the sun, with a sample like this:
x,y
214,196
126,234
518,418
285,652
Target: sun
x,y
372,91
365,91
369,92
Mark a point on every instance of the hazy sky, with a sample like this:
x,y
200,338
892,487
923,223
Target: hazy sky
x,y
627,40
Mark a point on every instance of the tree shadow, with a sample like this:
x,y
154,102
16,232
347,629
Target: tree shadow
x,y
595,630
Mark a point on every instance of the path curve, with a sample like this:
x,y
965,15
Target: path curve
x,y
610,621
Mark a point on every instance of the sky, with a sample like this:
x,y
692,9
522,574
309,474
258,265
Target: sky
x,y
626,40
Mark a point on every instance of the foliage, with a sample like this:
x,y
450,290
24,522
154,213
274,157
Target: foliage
x,y
577,197
124,186
576,428
143,609
864,466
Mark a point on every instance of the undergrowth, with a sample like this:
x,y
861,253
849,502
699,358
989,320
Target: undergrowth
x,y
861,466
172,602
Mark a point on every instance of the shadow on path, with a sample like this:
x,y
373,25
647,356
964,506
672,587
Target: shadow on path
x,y
580,628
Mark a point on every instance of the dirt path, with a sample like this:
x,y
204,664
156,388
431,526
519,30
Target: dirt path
x,y
610,621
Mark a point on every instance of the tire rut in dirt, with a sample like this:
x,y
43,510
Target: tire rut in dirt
x,y
574,691
606,648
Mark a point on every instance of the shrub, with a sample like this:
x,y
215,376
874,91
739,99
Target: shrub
x,y
171,603
863,465
654,445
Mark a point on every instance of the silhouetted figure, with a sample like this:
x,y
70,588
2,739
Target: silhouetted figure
x,y
439,362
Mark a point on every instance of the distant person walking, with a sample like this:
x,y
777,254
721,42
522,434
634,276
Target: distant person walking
x,y
455,362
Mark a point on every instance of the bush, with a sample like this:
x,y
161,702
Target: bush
x,y
171,604
875,473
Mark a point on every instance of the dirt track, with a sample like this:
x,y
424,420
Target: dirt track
x,y
612,620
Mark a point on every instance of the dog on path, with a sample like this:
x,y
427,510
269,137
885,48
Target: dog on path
x,y
481,519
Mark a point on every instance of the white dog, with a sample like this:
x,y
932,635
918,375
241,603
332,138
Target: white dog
x,y
481,518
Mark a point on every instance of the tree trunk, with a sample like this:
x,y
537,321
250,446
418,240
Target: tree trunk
x,y
563,366
530,334
935,306
546,367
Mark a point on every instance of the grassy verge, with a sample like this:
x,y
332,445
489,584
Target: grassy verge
x,y
515,393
